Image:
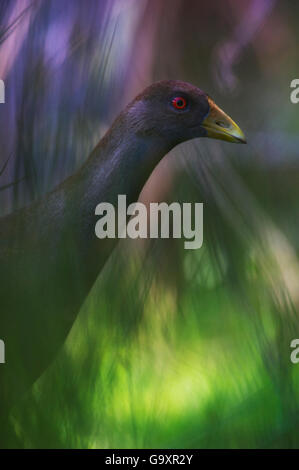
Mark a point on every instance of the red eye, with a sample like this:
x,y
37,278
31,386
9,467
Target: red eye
x,y
179,102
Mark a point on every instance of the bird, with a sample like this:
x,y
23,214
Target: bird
x,y
49,254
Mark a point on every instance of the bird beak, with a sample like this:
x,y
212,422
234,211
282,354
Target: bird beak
x,y
219,125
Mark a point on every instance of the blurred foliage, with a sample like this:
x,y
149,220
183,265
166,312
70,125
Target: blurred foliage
x,y
172,348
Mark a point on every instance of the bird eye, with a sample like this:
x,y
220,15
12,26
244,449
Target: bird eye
x,y
179,102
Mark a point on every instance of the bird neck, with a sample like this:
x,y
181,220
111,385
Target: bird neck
x,y
120,164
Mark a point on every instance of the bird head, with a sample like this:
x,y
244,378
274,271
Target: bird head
x,y
178,111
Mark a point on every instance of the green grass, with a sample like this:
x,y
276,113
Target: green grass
x,y
154,370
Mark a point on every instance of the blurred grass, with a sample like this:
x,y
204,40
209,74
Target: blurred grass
x,y
145,369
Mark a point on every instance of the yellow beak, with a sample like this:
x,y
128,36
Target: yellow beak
x,y
219,125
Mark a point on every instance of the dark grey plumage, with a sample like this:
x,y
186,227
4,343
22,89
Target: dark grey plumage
x,y
49,254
